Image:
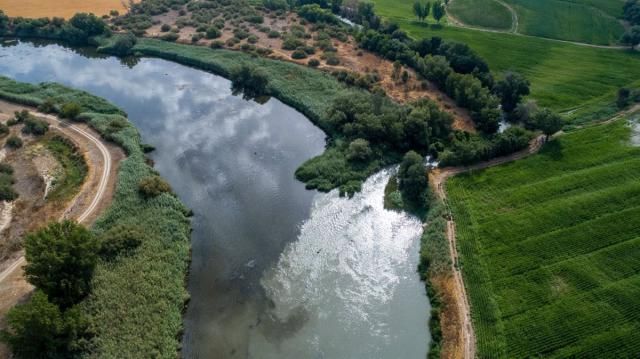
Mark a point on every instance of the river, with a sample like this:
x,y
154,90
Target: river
x,y
277,271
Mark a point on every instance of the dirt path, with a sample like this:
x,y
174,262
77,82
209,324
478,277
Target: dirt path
x,y
95,195
437,180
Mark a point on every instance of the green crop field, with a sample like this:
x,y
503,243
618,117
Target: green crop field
x,y
483,13
563,76
568,20
550,248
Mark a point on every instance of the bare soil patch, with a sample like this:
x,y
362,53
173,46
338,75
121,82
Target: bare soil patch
x,y
352,58
59,8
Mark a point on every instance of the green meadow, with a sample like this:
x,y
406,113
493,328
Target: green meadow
x,y
482,13
550,248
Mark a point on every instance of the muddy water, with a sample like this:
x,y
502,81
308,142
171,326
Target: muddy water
x,y
277,271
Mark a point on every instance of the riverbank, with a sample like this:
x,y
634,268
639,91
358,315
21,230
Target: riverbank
x,y
122,308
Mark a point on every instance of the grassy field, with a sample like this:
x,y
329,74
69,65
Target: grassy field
x,y
568,20
563,76
550,248
482,13
59,8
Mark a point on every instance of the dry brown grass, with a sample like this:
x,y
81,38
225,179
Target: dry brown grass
x,y
59,8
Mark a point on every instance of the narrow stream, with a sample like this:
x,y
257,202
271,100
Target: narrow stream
x,y
277,271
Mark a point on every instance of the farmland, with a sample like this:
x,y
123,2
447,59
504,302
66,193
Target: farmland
x,y
483,13
563,76
548,248
59,8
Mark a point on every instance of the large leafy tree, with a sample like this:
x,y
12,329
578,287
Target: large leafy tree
x,y
38,329
413,179
61,259
631,37
511,89
547,121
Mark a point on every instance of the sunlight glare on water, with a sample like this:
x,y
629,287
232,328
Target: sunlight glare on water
x,y
348,279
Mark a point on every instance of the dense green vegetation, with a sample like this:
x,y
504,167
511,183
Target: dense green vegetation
x,y
77,31
128,314
73,166
483,13
564,77
549,248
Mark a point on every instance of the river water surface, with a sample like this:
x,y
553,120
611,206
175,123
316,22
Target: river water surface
x,y
277,271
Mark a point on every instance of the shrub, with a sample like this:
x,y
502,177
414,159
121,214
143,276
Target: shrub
x,y
291,43
7,193
333,61
48,106
314,63
121,240
14,142
299,54
170,37
4,129
217,44
240,34
255,19
153,186
359,150
6,169
273,34
60,261
70,110
165,27
35,126
252,39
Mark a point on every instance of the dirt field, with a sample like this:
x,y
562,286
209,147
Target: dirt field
x,y
59,8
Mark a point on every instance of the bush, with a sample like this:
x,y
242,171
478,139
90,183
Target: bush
x,y
60,261
70,110
4,129
333,60
359,150
165,27
217,44
153,186
7,193
14,142
291,43
273,34
213,33
6,169
314,63
255,19
299,54
123,44
48,106
252,39
35,126
170,37
121,240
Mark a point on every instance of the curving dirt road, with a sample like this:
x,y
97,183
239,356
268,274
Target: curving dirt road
x,y
94,195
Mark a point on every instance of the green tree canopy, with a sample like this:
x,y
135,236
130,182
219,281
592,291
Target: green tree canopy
x,y
38,329
413,179
511,88
60,261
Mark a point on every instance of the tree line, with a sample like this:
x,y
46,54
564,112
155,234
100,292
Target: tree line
x,y
631,13
76,31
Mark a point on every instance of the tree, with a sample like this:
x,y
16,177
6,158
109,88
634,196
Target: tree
x,y
123,44
631,37
14,142
438,11
418,10
413,179
359,150
511,89
121,240
624,95
70,110
89,23
60,261
250,81
38,329
547,121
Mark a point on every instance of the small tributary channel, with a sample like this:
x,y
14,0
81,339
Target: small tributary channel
x,y
277,271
